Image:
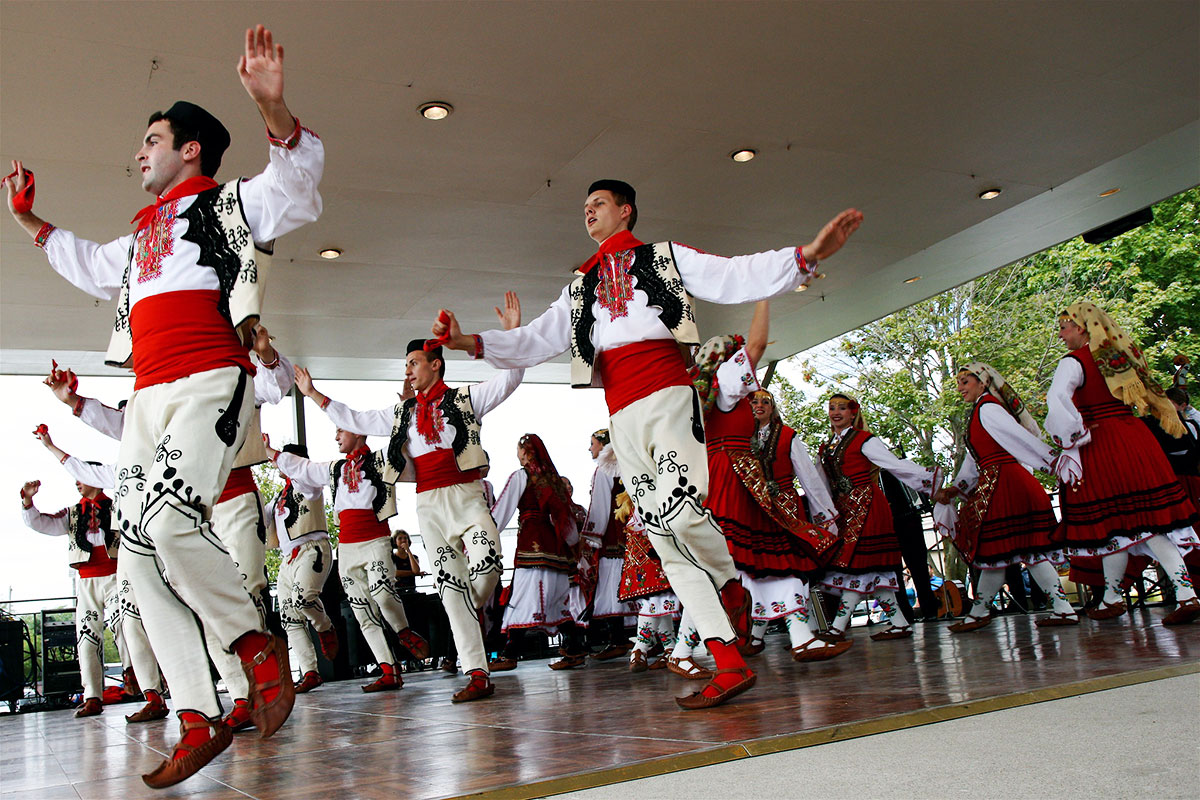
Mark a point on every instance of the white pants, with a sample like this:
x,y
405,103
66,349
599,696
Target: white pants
x,y
369,578
91,595
299,586
239,525
133,635
180,439
664,461
461,539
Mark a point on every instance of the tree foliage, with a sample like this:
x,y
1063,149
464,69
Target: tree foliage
x,y
269,486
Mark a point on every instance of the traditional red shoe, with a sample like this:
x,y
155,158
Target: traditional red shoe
x,y
832,635
970,623
892,633
238,719
310,681
502,664
751,647
1184,613
388,681
329,643
637,662
687,668
270,676
612,651
569,662
1105,611
154,709
90,707
698,700
448,666
1056,620
186,760
806,652
736,602
129,678
479,688
660,663
413,643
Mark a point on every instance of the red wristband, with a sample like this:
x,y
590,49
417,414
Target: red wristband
x,y
478,354
43,234
291,141
78,409
325,403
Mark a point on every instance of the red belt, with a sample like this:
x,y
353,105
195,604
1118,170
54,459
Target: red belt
x,y
438,469
638,370
360,525
240,482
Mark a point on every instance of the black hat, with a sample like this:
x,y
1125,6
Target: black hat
x,y
294,449
616,187
419,344
200,126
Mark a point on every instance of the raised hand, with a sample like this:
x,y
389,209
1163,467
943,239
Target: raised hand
x,y
30,489
263,346
408,392
833,235
60,381
15,184
261,71
304,380
510,317
271,451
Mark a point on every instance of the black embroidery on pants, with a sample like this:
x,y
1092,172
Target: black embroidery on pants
x,y
227,423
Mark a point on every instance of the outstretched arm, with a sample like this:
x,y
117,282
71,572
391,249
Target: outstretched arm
x,y
49,524
369,423
44,437
526,346
261,71
756,337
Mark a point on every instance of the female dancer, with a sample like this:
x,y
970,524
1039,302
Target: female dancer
x,y
644,583
869,558
1006,518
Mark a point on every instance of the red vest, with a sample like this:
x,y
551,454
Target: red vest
x,y
1093,399
983,447
729,430
538,543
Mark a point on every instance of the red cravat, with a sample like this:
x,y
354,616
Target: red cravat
x,y
429,423
189,187
619,242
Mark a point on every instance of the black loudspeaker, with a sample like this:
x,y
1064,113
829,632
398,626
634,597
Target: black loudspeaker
x,y
12,660
60,661
1118,226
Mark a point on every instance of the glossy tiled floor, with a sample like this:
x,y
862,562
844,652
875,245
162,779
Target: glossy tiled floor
x,y
550,731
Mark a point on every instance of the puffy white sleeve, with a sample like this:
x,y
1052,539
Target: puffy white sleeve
x,y
272,385
545,337
495,390
1020,443
1064,423
510,495
102,476
912,475
735,380
49,524
968,474
368,423
301,470
820,501
599,509
104,419
284,196
741,279
98,269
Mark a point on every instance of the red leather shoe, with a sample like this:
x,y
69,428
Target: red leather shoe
x,y
186,760
613,651
502,664
569,662
310,681
154,709
329,643
479,688
806,652
90,708
238,719
272,664
390,680
1104,611
1184,613
698,700
411,641
970,623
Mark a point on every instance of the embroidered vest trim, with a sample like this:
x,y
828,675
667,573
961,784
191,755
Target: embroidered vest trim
x,y
373,468
302,516
79,549
459,412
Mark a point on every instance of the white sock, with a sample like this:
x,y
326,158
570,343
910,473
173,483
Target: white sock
x,y
1168,556
846,605
799,630
1114,565
990,581
1046,577
887,601
689,638
646,635
666,633
758,629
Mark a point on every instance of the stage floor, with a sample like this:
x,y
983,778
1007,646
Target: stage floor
x,y
546,732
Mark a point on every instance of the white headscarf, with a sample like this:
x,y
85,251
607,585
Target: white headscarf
x,y
997,387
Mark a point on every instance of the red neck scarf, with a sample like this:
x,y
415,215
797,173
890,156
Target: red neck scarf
x,y
619,242
430,424
187,188
352,471
92,506
281,504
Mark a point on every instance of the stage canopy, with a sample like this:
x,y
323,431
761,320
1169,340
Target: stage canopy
x,y
906,110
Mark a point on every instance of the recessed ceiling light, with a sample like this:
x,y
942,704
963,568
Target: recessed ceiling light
x,y
330,253
742,156
435,109
1110,192
913,279
989,194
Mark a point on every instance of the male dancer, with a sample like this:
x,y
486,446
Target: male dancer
x,y
437,431
296,522
623,319
238,517
189,292
363,502
142,667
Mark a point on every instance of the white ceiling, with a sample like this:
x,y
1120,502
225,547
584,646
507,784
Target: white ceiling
x,y
905,110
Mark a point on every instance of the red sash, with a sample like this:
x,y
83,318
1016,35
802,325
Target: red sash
x,y
360,525
240,482
178,334
638,370
438,469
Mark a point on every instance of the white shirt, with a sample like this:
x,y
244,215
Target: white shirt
x,y
1009,434
279,200
484,397
316,473
1064,423
741,279
57,524
276,519
102,476
912,475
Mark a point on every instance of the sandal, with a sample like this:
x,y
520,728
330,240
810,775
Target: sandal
x,y
892,632
751,647
1056,619
1107,611
637,661
660,663
807,652
698,700
1184,613
689,669
970,623
832,635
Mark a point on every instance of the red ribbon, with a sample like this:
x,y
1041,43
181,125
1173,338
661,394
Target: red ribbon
x,y
91,504
438,341
429,426
189,187
287,487
62,375
23,200
619,242
41,430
